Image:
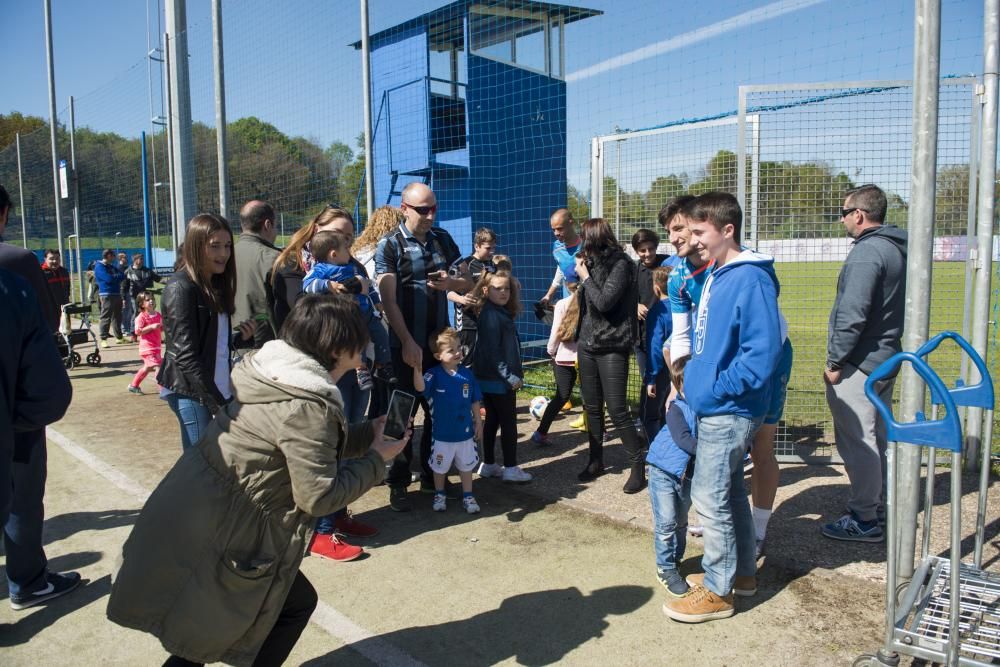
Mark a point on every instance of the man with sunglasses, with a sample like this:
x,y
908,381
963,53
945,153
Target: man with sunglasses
x,y
866,325
411,268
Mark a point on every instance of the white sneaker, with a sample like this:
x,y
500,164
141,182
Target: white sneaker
x,y
440,503
490,470
515,474
696,530
470,505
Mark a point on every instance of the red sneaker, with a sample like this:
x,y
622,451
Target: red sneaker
x,y
334,548
351,527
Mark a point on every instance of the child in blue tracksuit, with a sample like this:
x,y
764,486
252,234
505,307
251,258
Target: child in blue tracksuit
x,y
333,262
671,466
659,325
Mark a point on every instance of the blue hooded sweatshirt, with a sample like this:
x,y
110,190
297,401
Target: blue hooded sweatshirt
x,y
737,339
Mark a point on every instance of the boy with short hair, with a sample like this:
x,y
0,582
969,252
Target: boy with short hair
x,y
659,326
454,397
671,464
735,353
332,251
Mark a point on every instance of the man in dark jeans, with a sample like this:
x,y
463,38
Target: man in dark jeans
x,y
411,267
109,288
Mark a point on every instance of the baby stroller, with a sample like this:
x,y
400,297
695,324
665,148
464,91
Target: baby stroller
x,y
80,336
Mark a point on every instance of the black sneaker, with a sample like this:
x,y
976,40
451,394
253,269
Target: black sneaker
x,y
674,583
385,373
56,585
398,502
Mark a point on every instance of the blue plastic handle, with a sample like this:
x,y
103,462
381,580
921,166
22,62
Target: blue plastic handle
x,y
979,395
945,433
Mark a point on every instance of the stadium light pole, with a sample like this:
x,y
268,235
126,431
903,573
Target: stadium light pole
x,y
76,182
220,107
180,115
47,5
366,73
926,85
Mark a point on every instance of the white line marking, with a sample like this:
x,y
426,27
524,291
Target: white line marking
x,y
326,617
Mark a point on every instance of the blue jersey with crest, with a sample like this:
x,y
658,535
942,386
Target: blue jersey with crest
x,y
451,396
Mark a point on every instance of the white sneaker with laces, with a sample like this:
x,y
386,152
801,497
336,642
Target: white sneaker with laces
x,y
516,475
470,505
490,470
440,503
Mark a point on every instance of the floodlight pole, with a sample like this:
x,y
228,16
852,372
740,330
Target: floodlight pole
x,y
47,4
180,116
20,188
75,185
220,107
984,236
367,96
926,68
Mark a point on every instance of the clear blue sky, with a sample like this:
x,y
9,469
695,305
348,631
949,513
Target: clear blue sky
x,y
289,63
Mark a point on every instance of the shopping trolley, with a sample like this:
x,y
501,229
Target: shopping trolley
x,y
76,337
949,612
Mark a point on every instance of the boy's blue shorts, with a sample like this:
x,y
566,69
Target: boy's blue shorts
x,y
779,384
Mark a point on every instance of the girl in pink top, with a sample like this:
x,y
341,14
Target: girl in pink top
x,y
562,349
149,328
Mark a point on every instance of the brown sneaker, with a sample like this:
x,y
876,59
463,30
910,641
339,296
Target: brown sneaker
x,y
743,586
698,606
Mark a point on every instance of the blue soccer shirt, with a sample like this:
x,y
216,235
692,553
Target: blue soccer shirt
x,y
451,397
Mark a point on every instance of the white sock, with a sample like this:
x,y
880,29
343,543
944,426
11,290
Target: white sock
x,y
760,519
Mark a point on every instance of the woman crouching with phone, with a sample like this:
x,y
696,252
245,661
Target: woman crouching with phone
x,y
211,567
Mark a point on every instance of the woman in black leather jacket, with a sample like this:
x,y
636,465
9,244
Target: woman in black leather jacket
x,y
605,335
197,305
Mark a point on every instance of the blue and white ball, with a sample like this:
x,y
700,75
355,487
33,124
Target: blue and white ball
x,y
537,406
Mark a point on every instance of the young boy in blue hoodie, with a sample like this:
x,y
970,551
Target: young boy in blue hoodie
x,y
735,353
671,464
656,378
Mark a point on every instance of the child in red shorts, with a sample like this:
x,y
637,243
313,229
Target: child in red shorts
x,y
149,329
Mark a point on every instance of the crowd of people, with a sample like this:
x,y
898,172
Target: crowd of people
x,y
276,446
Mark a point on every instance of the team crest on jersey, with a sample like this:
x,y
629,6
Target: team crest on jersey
x,y
428,377
702,323
439,459
465,390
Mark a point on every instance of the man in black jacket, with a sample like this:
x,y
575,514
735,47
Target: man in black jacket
x,y
138,279
866,325
28,577
255,254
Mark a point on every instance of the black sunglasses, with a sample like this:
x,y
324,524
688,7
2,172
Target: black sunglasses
x,y
421,210
844,212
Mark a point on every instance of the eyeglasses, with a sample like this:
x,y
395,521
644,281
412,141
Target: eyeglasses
x,y
844,212
421,210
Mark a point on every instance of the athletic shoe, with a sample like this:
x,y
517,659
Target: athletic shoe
x,y
470,505
334,548
747,463
134,390
674,583
579,423
385,373
591,472
697,530
540,438
351,527
104,343
849,529
698,606
490,470
364,379
742,586
440,503
398,502
57,584
516,475
568,406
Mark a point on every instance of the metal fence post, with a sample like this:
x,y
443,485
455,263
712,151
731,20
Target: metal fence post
x,y
76,192
984,237
20,188
180,115
927,49
596,177
52,122
220,107
145,205
367,97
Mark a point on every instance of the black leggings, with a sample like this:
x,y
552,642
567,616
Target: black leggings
x,y
292,620
501,412
565,379
604,380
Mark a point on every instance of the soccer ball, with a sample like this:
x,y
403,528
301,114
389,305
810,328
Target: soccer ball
x,y
537,406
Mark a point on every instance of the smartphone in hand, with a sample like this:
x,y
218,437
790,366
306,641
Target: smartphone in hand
x,y
398,417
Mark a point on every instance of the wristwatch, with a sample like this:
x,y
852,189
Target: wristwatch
x,y
832,366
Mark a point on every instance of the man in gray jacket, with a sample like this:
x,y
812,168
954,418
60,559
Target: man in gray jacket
x,y
255,255
866,325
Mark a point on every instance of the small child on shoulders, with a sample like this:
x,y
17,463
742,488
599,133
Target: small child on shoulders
x,y
671,467
454,397
332,252
149,329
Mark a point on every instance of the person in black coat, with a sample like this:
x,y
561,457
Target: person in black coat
x,y
606,334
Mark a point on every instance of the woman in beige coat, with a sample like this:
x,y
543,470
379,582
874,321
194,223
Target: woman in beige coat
x,y
212,565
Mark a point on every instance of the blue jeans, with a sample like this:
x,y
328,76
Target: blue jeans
x,y
193,417
671,499
719,495
22,533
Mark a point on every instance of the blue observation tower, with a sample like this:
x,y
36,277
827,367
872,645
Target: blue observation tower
x,y
470,99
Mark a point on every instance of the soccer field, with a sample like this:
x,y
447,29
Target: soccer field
x,y
807,293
